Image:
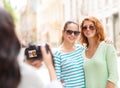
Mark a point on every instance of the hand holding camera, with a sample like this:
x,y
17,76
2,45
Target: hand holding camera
x,y
47,57
42,52
34,51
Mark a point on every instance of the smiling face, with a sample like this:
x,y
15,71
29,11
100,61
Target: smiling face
x,y
71,33
89,29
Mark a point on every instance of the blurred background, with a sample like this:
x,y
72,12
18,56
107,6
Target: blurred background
x,y
42,20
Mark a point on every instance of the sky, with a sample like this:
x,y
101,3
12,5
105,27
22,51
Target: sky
x,y
18,4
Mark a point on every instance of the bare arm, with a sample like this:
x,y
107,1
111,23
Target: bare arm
x,y
47,58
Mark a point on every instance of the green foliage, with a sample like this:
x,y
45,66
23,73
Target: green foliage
x,y
8,6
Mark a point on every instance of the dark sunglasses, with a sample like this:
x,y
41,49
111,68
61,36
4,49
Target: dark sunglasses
x,y
91,27
69,32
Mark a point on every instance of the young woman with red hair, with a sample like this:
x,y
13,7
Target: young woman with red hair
x,y
100,58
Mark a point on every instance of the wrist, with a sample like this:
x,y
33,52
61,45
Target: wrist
x,y
50,66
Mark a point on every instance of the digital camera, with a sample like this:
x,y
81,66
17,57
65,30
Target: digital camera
x,y
34,51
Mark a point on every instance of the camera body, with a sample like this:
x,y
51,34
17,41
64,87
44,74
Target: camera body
x,y
34,51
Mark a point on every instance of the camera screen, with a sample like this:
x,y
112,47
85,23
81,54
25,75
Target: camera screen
x,y
32,53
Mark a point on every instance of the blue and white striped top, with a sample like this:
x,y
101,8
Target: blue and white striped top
x,y
69,67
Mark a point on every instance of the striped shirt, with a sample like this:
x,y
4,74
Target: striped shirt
x,y
69,67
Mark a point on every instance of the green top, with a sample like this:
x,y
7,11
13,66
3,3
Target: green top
x,y
101,67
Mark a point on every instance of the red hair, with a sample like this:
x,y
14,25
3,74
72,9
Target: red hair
x,y
100,35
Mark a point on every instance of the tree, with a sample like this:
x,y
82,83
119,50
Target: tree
x,y
8,6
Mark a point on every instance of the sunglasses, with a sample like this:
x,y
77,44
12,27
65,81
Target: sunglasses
x,y
69,32
91,27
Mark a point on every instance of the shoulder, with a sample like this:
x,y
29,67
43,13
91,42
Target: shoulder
x,y
54,50
79,47
108,45
30,78
57,53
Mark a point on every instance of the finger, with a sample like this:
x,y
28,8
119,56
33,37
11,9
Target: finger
x,y
49,49
43,51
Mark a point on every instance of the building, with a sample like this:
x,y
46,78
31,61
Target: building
x,y
108,11
42,20
27,22
49,21
1,3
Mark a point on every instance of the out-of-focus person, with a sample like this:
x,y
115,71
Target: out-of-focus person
x,y
10,76
12,73
37,63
